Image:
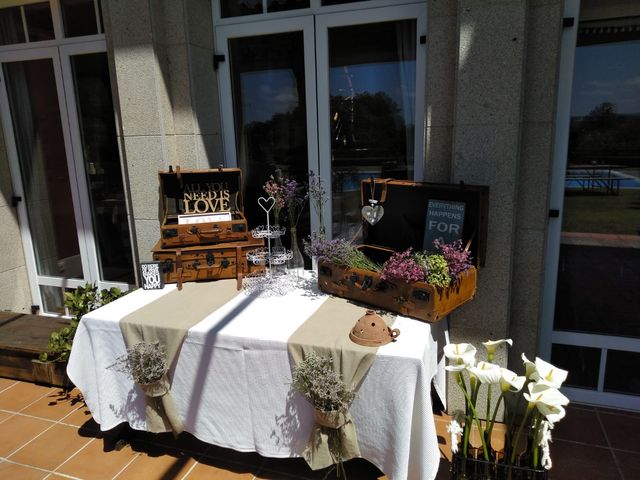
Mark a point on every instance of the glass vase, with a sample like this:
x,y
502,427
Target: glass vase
x,y
296,264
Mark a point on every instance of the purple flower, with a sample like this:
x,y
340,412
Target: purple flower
x,y
402,266
457,257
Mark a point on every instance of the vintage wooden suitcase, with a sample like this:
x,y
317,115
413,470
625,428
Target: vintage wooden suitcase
x,y
194,202
207,262
406,222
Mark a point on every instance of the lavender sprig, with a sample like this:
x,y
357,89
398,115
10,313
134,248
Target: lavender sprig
x,y
339,252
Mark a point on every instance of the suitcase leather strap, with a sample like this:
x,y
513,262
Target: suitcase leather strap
x,y
239,267
375,182
179,267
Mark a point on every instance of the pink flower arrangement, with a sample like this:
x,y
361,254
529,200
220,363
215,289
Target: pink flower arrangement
x,y
402,266
457,257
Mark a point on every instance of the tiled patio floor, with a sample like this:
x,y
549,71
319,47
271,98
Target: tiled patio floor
x,y
46,434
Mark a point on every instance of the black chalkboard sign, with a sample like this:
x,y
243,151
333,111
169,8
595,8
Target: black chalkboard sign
x,y
151,276
445,221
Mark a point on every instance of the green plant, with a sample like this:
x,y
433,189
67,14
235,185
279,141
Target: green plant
x,y
78,302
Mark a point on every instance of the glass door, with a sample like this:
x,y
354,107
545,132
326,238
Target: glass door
x,y
59,132
595,333
332,93
369,103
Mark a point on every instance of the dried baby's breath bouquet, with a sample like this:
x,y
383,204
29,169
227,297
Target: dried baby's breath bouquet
x,y
145,363
315,378
324,388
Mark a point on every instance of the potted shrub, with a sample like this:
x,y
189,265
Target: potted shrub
x,y
51,366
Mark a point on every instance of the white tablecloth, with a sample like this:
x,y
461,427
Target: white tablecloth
x,y
231,381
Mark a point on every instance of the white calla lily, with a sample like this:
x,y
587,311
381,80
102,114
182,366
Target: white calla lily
x,y
553,414
485,372
510,381
529,366
491,345
543,395
461,355
547,373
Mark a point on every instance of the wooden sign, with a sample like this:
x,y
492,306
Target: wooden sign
x,y
151,276
206,197
445,220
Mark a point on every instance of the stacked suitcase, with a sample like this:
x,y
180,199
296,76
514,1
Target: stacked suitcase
x,y
406,223
204,233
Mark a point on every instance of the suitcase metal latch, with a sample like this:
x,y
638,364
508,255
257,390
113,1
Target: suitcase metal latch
x,y
354,278
224,263
209,259
367,282
193,230
421,295
237,227
326,271
170,233
167,266
196,264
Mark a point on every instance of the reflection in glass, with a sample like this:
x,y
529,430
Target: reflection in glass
x,y
623,372
33,100
52,299
583,364
102,165
236,8
268,82
598,276
79,17
339,2
372,75
282,5
39,22
11,28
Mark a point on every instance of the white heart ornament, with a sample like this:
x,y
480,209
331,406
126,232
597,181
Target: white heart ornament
x,y
372,214
266,203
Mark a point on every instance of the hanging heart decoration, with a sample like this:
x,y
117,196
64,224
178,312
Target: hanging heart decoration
x,y
266,203
372,213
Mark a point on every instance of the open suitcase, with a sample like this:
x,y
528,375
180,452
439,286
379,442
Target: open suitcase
x,y
407,223
202,207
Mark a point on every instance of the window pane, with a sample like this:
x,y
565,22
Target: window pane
x,y
583,364
623,372
339,2
37,126
52,299
372,85
102,165
598,276
11,28
281,5
79,17
236,8
268,81
39,23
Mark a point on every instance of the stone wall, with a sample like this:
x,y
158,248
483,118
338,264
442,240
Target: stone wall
x,y
15,294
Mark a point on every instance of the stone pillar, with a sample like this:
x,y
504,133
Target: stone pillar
x,y
486,151
15,294
161,59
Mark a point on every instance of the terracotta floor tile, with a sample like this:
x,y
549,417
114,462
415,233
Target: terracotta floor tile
x,y
81,417
19,396
629,464
580,425
622,431
18,430
572,461
164,467
54,406
51,448
6,383
92,463
12,471
4,416
220,471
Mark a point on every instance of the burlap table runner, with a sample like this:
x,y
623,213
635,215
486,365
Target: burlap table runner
x,y
326,333
167,320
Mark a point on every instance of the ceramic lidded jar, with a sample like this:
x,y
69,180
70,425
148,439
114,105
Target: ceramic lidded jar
x,y
371,331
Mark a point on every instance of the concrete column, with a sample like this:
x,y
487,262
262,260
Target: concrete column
x,y
15,294
166,97
486,150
